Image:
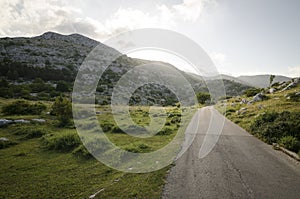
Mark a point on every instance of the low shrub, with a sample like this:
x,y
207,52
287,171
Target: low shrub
x,y
81,151
139,148
278,127
229,111
290,143
22,107
106,127
252,91
116,129
62,142
29,132
294,97
175,120
165,131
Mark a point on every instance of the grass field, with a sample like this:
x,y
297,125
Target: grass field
x,y
37,166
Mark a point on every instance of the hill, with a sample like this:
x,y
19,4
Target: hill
x,y
261,81
54,57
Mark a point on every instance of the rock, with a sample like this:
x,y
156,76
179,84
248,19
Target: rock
x,y
5,121
250,102
22,121
244,101
272,90
243,109
38,120
291,85
4,139
258,97
260,106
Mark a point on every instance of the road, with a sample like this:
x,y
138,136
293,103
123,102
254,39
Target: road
x,y
239,166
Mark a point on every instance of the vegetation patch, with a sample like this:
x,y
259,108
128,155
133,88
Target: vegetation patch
x,y
29,131
22,107
64,142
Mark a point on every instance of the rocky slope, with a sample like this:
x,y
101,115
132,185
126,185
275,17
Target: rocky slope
x,y
54,57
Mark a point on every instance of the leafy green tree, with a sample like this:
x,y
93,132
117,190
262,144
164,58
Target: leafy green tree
x,y
271,79
62,86
203,97
62,108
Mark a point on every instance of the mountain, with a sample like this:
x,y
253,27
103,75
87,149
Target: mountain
x,y
54,57
262,81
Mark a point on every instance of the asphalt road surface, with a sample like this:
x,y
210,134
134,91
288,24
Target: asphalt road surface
x,y
239,166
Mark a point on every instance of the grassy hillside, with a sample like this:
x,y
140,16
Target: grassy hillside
x,y
274,119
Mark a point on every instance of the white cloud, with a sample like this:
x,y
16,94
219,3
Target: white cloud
x,y
294,71
32,17
189,10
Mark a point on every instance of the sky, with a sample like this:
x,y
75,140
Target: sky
x,y
242,37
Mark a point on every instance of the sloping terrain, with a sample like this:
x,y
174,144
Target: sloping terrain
x,y
54,57
262,81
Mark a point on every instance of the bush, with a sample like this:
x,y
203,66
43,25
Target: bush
x,y
290,143
63,142
62,108
116,129
273,127
140,148
165,131
252,92
81,151
29,132
229,111
21,107
106,127
203,97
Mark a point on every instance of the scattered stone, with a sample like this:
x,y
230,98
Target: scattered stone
x,y
260,106
291,85
258,97
22,121
38,120
5,122
4,139
272,90
244,101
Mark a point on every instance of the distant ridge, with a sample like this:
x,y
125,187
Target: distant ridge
x,y
262,81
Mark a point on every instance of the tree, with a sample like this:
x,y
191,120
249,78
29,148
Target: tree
x,y
203,97
62,86
62,108
271,79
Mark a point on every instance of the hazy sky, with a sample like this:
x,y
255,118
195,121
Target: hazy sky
x,y
243,37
